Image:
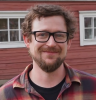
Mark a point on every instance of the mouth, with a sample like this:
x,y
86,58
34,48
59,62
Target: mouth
x,y
50,52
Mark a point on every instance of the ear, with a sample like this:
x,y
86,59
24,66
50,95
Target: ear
x,y
69,43
26,41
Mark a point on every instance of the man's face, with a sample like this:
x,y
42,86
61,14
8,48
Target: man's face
x,y
49,55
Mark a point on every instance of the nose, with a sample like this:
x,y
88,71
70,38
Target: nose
x,y
51,42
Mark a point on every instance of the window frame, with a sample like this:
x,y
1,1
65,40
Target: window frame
x,y
82,15
12,14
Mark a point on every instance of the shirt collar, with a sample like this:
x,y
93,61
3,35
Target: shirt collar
x,y
71,74
21,80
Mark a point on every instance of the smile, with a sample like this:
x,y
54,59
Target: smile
x,y
50,52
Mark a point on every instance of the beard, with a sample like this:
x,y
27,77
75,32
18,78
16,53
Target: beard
x,y
47,67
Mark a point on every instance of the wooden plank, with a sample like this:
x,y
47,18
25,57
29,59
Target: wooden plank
x,y
84,66
13,50
8,71
13,54
6,77
12,58
13,66
24,6
88,64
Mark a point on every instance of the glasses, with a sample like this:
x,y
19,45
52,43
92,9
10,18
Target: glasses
x,y
43,36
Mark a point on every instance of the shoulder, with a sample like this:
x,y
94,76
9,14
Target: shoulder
x,y
87,80
83,74
7,91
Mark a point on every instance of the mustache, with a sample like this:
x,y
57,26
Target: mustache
x,y
50,49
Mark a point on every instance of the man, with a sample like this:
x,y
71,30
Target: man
x,y
48,31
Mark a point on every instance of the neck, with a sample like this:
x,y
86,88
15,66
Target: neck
x,y
44,79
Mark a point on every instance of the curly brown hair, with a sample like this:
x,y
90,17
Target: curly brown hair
x,y
45,10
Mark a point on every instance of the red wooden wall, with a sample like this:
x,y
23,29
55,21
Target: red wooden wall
x,y
13,61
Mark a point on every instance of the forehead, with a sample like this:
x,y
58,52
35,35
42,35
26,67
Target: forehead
x,y
49,23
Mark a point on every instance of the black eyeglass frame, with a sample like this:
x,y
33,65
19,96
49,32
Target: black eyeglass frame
x,y
50,34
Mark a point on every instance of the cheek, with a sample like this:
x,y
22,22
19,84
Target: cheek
x,y
32,47
64,49
35,46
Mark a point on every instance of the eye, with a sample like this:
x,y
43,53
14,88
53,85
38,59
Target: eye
x,y
59,35
41,34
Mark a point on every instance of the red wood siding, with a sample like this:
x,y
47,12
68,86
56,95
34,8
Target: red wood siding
x,y
13,61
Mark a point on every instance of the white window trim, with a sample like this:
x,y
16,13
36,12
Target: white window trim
x,y
83,14
12,14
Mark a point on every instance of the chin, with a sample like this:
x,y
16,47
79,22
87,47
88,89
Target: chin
x,y
51,61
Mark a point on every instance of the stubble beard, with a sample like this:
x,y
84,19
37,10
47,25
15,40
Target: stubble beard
x,y
47,67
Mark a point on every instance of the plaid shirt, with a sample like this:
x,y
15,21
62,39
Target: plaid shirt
x,y
78,85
